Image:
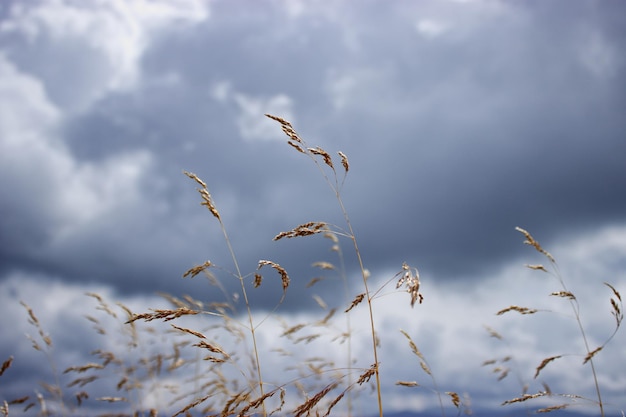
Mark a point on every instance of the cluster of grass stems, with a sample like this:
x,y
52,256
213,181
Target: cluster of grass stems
x,y
231,380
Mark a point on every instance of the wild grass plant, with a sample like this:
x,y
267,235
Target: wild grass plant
x,y
197,357
563,400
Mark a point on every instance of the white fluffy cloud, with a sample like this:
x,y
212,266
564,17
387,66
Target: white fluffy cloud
x,y
39,172
112,34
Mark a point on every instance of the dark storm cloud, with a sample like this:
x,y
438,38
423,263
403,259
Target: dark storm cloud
x,y
500,116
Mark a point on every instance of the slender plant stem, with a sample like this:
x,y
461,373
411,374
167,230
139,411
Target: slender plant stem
x,y
576,309
369,301
245,297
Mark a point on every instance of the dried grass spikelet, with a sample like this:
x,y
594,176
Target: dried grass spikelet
x,y
327,317
197,269
334,403
20,400
591,354
307,339
544,363
207,200
189,331
295,146
564,294
525,397
304,409
293,329
112,399
323,265
281,271
35,322
552,408
407,383
313,281
320,302
305,229
493,333
81,382
521,310
258,279
425,368
410,277
257,402
532,242
617,294
84,368
344,161
102,305
536,267
6,365
454,397
365,376
615,305
546,388
325,155
166,315
329,234
413,346
357,300
192,405
294,140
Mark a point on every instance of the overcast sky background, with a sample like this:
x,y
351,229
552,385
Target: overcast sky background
x,y
460,119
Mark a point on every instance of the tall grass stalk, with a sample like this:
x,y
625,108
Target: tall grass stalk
x,y
301,146
208,202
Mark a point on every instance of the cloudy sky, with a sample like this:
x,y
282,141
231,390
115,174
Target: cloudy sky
x,y
460,119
